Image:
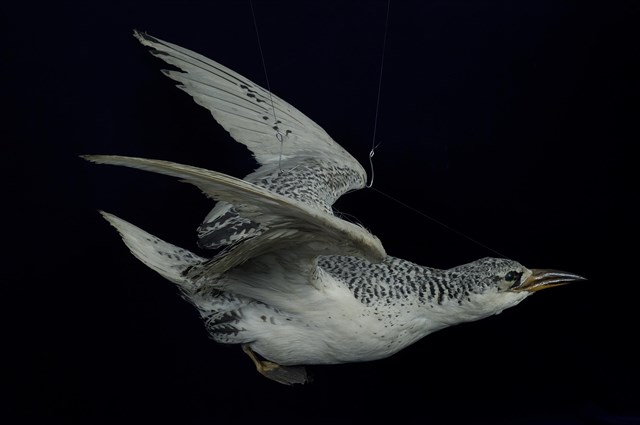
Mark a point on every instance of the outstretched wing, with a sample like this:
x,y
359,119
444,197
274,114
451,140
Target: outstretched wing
x,y
298,158
246,110
289,224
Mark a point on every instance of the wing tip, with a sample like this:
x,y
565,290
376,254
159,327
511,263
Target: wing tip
x,y
143,37
154,44
90,158
101,159
110,218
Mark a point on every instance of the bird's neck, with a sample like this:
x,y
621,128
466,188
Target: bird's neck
x,y
414,291
446,296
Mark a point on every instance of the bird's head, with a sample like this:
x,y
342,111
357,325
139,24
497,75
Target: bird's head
x,y
492,284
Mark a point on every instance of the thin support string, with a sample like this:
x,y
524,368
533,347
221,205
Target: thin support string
x,y
279,136
375,121
457,232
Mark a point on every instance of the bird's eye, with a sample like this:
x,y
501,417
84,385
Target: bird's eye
x,y
512,276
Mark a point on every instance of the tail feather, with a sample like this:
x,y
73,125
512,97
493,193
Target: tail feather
x,y
170,261
220,310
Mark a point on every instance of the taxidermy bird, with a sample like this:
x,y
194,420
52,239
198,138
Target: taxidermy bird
x,y
289,281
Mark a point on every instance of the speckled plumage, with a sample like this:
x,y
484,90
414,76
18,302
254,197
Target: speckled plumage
x,y
310,180
290,280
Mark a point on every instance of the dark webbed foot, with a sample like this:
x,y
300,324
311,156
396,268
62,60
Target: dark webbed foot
x,y
287,375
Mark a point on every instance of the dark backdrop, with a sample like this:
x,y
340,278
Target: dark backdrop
x,y
510,122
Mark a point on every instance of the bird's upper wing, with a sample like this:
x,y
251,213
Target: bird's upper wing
x,y
289,224
298,158
245,109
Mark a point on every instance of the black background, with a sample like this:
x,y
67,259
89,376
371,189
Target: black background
x,y
510,122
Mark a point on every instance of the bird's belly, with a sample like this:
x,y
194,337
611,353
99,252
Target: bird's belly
x,y
330,338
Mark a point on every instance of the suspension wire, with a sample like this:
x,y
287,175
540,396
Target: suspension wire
x,y
266,77
457,232
374,146
375,120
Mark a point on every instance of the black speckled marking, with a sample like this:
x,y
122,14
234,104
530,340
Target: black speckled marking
x,y
316,182
397,282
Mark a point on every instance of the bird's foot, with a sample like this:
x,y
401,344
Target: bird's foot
x,y
287,375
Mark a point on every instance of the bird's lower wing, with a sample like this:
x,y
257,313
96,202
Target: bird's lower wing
x,y
289,223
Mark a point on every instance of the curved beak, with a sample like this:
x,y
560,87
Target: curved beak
x,y
547,278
